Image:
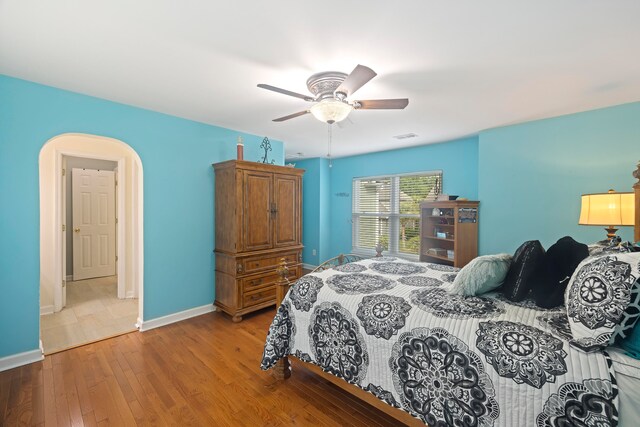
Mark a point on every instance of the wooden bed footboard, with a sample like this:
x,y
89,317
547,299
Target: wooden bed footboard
x,y
282,369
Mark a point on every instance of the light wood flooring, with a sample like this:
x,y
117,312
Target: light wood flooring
x,y
203,371
93,312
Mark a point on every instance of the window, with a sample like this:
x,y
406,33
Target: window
x,y
387,210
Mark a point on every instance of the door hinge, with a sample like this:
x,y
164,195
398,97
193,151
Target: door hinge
x,y
64,283
116,258
64,172
116,220
64,227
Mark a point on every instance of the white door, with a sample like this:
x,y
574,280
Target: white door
x,y
94,223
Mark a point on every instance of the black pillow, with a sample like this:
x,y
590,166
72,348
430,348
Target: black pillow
x,y
521,276
559,263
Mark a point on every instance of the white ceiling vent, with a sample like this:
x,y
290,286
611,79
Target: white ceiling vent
x,y
406,136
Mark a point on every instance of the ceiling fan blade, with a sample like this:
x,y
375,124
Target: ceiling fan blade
x,y
286,92
291,116
383,104
354,81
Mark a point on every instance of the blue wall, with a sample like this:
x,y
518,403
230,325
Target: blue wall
x,y
176,156
531,175
310,209
457,159
315,210
324,250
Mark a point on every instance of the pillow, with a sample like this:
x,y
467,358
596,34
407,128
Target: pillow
x,y
603,299
521,276
556,269
614,245
481,275
631,344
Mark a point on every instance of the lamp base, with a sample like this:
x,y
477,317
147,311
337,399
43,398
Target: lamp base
x,y
611,232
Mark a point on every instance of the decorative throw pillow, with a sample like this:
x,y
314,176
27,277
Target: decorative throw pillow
x,y
603,299
631,344
481,275
521,276
614,245
557,267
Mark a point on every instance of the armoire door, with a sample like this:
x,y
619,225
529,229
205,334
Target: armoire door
x,y
286,192
257,207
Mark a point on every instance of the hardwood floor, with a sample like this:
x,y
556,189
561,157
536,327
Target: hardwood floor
x,y
202,371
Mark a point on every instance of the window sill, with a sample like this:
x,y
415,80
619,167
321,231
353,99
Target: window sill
x,y
371,254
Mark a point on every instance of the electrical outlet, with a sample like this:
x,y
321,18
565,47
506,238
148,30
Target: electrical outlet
x,y
313,252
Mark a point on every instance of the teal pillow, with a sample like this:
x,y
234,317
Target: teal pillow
x,y
483,274
631,344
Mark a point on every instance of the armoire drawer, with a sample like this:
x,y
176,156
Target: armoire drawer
x,y
257,281
265,262
259,296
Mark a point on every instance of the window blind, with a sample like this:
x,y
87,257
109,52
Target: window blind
x,y
386,210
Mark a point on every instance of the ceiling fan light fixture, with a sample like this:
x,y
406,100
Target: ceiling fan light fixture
x,y
331,110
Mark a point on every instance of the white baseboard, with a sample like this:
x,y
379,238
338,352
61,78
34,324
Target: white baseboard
x,y
175,317
15,360
46,309
130,294
308,266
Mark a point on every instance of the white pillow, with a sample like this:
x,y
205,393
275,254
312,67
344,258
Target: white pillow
x,y
483,274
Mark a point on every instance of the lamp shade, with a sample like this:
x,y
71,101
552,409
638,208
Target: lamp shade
x,y
607,209
331,110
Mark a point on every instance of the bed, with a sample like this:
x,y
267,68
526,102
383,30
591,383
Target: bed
x,y
383,329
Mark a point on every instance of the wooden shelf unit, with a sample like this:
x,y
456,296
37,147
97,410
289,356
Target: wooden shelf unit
x,y
459,222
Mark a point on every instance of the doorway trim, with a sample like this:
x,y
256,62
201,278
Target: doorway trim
x,y
135,220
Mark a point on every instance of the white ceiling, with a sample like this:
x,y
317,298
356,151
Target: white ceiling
x,y
465,65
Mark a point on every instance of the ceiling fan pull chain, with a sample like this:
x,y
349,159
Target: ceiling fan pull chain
x,y
329,153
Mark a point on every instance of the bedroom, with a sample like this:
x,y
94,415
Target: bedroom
x,y
566,94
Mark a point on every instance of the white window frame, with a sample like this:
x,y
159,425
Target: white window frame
x,y
394,216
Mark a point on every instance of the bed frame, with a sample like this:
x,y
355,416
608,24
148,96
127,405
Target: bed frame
x,y
283,369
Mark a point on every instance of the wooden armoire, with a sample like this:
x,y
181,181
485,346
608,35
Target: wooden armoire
x,y
258,221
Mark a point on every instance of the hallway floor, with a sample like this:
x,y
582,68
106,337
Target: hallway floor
x,y
93,312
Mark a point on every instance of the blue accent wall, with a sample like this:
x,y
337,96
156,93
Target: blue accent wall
x,y
324,249
531,175
311,228
176,156
315,210
457,159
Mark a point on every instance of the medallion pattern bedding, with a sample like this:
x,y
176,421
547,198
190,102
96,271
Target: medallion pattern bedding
x,y
387,327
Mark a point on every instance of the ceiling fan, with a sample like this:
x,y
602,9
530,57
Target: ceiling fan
x,y
330,91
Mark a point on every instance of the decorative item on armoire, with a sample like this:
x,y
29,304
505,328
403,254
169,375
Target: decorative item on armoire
x,y
240,149
266,146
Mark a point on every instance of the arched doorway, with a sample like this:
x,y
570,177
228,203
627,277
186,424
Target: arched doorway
x,y
53,229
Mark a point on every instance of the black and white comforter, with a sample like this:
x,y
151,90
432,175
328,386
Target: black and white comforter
x,y
385,325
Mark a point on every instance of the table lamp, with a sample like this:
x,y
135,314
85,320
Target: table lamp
x,y
607,209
